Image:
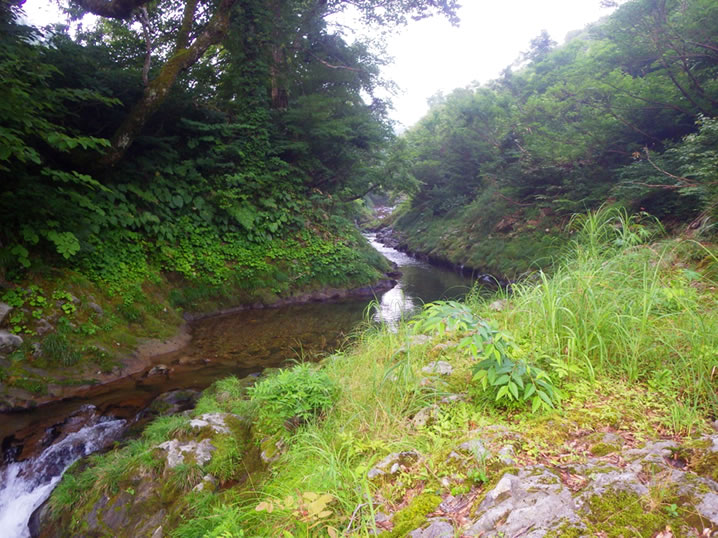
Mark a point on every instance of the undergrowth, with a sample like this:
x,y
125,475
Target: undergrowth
x,y
625,329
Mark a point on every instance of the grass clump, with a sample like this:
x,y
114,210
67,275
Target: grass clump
x,y
413,516
292,397
624,308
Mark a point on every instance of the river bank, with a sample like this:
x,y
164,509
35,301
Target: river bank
x,y
242,342
62,332
399,435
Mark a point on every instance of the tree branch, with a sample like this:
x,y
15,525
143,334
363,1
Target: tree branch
x,y
157,90
111,9
682,182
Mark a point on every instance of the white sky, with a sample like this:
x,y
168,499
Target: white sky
x,y
432,56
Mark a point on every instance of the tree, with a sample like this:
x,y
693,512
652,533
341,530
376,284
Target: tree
x,y
200,24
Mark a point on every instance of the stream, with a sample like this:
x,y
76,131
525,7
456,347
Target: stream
x,y
38,445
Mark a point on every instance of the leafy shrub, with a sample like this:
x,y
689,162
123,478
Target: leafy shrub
x,y
295,395
505,378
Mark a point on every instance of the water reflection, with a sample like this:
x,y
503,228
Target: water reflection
x,y
420,283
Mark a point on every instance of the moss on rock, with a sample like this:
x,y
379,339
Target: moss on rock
x,y
413,516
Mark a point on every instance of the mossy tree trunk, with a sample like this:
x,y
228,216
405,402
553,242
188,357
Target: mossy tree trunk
x,y
186,53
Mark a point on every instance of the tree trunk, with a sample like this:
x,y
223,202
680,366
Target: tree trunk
x,y
156,91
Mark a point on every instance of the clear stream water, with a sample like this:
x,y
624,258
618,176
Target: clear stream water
x,y
238,344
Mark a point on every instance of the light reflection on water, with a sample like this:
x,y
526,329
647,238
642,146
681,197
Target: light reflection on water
x,y
420,283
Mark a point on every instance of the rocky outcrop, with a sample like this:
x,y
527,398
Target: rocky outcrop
x,y
659,487
143,502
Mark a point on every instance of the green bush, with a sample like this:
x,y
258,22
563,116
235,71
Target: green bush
x,y
292,396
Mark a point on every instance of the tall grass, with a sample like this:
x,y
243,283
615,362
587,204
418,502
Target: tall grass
x,y
622,306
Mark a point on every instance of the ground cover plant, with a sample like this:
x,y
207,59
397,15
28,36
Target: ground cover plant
x,y
625,330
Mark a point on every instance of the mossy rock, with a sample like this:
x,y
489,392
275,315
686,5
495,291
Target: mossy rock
x,y
620,513
413,516
603,449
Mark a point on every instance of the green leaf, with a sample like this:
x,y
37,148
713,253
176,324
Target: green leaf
x,y
501,380
545,398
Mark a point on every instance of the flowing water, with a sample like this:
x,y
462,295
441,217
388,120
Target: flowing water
x,y
39,445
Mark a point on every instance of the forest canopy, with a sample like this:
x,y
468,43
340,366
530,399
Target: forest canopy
x,y
166,118
624,110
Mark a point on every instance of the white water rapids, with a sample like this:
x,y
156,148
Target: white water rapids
x,y
25,485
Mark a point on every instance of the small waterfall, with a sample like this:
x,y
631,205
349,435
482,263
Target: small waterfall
x,y
25,485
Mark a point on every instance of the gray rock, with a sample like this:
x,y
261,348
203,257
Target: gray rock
x,y
613,439
528,505
116,515
438,367
708,507
177,451
216,421
393,463
414,340
4,311
475,447
208,482
96,308
425,416
9,342
43,327
506,454
603,480
152,523
499,305
452,398
651,453
437,529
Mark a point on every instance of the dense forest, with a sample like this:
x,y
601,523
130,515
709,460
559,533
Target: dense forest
x,y
163,131
163,155
623,112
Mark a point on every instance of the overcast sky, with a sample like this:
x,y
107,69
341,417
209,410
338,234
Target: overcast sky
x,y
432,56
